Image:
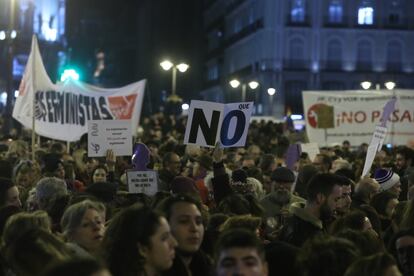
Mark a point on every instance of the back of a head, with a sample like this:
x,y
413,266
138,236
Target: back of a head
x,y
123,237
374,265
22,222
39,247
248,222
327,256
48,188
75,266
282,259
322,184
239,238
367,242
380,202
5,185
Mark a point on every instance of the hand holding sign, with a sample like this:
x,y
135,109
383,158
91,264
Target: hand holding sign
x,y
217,153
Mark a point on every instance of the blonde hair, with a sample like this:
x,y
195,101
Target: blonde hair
x,y
20,223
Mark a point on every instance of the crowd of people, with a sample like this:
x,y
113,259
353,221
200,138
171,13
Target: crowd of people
x,y
234,211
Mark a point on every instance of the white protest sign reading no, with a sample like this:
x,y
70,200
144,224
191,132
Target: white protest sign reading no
x,y
109,134
210,122
142,182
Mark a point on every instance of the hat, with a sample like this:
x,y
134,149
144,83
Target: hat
x,y
282,174
183,184
386,178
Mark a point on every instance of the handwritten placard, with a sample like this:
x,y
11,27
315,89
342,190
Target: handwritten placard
x,y
109,134
142,182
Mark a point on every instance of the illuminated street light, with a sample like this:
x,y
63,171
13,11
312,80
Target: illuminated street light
x,y
366,85
185,106
2,35
236,83
182,67
253,84
390,85
166,65
271,91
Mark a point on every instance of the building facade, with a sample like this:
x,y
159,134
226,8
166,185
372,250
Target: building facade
x,y
299,45
19,20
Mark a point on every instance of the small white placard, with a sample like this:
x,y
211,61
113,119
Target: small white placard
x,y
312,149
109,134
142,182
371,152
379,135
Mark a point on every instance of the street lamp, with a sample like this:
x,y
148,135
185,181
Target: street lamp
x,y
182,67
390,85
271,91
236,83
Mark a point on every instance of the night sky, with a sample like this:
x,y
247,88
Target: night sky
x,y
136,36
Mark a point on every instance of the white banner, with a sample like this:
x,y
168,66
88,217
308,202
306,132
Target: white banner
x,y
62,110
332,117
210,122
109,134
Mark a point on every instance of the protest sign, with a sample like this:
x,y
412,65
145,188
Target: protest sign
x,y
142,182
332,117
113,134
371,152
210,122
61,111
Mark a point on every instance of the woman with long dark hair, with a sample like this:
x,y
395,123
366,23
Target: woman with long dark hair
x,y
137,242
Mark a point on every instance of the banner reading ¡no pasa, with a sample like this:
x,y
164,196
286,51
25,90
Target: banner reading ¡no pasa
x,y
335,116
62,110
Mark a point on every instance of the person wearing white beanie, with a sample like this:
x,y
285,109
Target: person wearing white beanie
x,y
389,181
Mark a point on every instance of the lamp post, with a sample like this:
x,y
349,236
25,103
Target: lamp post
x,y
182,67
236,83
390,85
271,91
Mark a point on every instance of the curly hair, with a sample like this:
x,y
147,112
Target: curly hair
x,y
129,229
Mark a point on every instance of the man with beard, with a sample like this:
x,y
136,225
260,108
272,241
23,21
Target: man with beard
x,y
344,204
403,161
171,167
323,194
276,204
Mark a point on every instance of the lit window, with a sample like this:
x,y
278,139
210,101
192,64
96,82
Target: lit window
x,y
297,12
335,11
366,16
